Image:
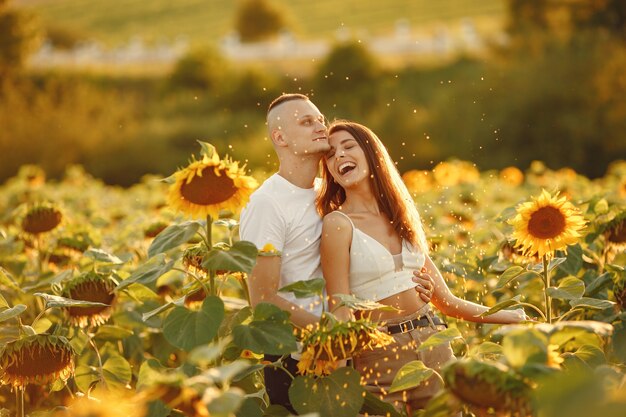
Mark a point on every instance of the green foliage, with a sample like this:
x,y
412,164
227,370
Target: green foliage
x,y
340,394
257,20
203,69
19,36
348,80
113,22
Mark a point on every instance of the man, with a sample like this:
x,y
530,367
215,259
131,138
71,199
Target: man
x,y
282,213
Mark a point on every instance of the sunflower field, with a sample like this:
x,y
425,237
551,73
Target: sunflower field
x,y
134,302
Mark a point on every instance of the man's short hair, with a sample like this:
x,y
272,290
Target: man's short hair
x,y
286,97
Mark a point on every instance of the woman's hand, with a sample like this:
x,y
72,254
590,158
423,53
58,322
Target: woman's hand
x,y
425,284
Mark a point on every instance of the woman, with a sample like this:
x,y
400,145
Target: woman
x,y
372,238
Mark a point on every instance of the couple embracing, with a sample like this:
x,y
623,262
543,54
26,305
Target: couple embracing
x,y
358,228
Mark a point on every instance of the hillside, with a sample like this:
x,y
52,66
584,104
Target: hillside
x,y
113,22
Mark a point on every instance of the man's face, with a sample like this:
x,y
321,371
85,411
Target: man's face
x,y
301,126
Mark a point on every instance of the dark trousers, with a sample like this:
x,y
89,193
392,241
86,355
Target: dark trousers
x,y
277,381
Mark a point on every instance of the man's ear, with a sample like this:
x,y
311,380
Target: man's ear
x,y
278,138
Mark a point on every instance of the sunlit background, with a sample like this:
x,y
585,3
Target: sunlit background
x,y
125,88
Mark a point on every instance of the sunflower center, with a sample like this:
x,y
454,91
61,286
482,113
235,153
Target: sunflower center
x,y
38,361
209,188
618,233
546,223
93,291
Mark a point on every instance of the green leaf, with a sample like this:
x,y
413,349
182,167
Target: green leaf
x,y
270,331
501,306
173,236
569,288
598,283
3,302
187,329
339,395
102,256
54,301
601,207
148,272
374,406
591,355
304,289
555,262
440,338
485,349
508,276
525,346
227,403
207,149
592,303
228,223
179,302
85,376
240,257
116,372
112,333
7,279
14,311
410,376
226,373
574,260
47,282
356,303
205,355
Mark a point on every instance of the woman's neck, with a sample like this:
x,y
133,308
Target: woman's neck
x,y
360,200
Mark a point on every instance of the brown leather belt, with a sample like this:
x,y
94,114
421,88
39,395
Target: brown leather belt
x,y
408,325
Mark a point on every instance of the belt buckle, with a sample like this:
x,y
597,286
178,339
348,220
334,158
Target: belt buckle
x,y
404,326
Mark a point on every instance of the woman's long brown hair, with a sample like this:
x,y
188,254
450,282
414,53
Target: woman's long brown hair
x,y
392,196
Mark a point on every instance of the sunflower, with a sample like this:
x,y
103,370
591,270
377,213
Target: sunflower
x,y
483,386
90,286
41,218
37,359
212,184
417,181
614,233
446,174
546,224
104,404
333,341
512,176
193,257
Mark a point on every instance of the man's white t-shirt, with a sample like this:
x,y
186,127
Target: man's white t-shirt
x,y
284,215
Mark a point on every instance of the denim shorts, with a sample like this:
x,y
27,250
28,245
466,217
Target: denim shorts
x,y
379,366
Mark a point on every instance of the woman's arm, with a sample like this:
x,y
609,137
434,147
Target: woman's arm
x,y
335,254
451,305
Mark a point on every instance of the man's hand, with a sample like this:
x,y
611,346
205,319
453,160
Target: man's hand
x,y
425,284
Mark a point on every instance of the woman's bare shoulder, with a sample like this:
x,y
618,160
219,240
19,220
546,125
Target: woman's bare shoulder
x,y
337,218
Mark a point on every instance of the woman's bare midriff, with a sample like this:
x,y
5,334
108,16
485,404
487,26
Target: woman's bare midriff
x,y
407,302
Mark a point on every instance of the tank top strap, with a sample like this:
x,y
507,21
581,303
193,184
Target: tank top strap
x,y
347,217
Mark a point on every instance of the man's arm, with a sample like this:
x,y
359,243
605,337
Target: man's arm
x,y
263,284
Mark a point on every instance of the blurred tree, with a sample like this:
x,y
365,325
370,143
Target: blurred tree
x,y
347,80
257,20
19,36
538,21
203,69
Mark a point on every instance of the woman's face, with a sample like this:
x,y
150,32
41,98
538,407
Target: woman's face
x,y
346,160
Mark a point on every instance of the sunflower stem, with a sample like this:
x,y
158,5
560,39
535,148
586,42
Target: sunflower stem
x,y
100,366
209,237
546,282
